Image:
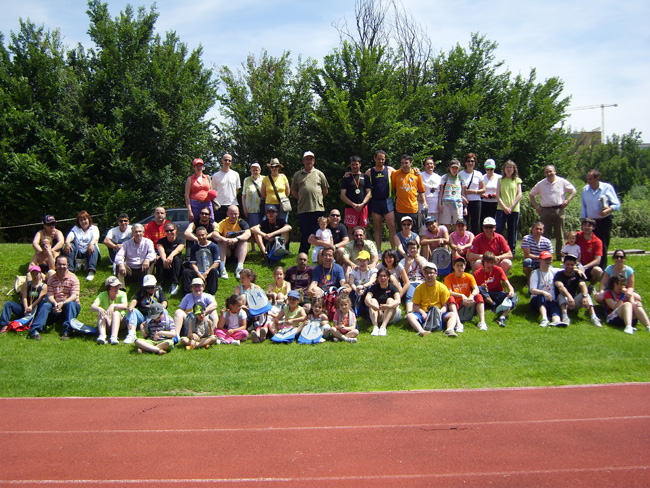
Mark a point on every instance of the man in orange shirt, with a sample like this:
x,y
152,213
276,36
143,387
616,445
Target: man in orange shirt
x,y
409,189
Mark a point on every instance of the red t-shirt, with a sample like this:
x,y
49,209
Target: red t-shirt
x,y
589,249
498,245
154,231
493,281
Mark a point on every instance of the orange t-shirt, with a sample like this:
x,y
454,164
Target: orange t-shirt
x,y
462,285
407,186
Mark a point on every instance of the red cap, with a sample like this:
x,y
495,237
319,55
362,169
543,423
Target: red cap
x,y
212,194
545,255
197,161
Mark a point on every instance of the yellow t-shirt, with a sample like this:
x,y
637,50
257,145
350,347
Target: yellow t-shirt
x,y
429,296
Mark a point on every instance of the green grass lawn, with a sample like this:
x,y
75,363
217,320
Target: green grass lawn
x,y
522,354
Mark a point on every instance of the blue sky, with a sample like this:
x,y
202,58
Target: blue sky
x,y
598,48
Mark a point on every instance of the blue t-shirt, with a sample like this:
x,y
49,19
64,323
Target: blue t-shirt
x,y
333,277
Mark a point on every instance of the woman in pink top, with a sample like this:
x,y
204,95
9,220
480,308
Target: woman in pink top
x,y
197,191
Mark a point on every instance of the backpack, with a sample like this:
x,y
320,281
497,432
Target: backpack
x,y
23,323
433,321
285,335
278,249
78,326
329,302
311,333
258,302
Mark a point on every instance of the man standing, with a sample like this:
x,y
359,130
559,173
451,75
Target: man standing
x,y
266,231
204,264
553,199
309,186
599,201
409,190
136,257
489,240
339,236
591,251
355,193
155,230
232,238
532,245
380,203
227,183
170,250
352,250
118,236
431,294
431,182
572,293
62,300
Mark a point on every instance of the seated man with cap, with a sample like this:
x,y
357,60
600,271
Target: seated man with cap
x,y
433,237
269,229
187,305
489,240
204,263
431,294
495,288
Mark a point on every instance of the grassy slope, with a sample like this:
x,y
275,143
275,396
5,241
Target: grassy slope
x,y
522,354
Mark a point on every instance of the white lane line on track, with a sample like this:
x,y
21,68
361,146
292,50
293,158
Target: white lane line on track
x,y
301,479
428,426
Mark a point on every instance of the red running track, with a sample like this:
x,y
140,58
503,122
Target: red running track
x,y
592,436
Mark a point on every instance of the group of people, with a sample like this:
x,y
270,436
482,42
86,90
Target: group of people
x,y
463,213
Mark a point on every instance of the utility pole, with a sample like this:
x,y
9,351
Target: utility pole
x,y
602,115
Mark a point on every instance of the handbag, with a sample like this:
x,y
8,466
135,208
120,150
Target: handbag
x,y
285,204
262,201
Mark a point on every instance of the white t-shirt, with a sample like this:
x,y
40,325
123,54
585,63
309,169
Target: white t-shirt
x,y
473,181
362,277
544,281
82,239
117,236
431,189
491,187
227,186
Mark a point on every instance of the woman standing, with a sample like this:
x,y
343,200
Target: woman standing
x,y
197,191
508,196
251,197
475,189
81,242
271,195
489,199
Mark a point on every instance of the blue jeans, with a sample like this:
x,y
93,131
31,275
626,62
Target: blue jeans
x,y
91,258
135,318
9,309
70,311
512,221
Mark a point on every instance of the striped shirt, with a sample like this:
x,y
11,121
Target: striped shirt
x,y
62,289
529,242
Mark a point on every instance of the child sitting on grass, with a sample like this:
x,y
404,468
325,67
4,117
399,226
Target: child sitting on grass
x,y
158,332
231,328
200,329
345,322
279,289
318,315
291,315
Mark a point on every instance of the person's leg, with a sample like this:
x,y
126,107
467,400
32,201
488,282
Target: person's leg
x,y
8,309
378,226
388,316
179,321
641,316
93,258
305,232
257,237
513,224
415,321
603,231
558,223
501,219
474,210
70,311
212,282
546,217
390,223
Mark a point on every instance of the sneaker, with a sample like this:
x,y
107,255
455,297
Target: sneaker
x,y
375,331
4,329
595,321
450,333
566,319
101,340
460,328
255,336
648,328
238,270
130,339
351,340
36,336
224,274
382,331
481,326
561,323
114,341
65,336
173,290
262,334
91,276
501,321
629,329
236,343
335,339
424,333
544,323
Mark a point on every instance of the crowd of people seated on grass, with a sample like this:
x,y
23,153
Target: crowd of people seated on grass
x,y
448,265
